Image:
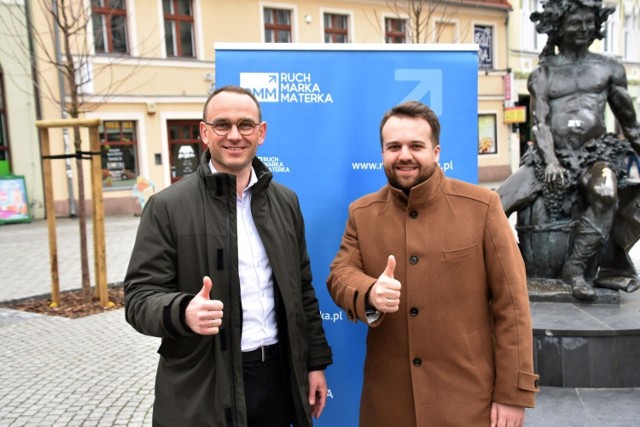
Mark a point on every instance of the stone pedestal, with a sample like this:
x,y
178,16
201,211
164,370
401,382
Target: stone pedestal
x,y
587,344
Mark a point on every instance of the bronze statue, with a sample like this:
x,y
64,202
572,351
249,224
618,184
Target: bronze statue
x,y
573,182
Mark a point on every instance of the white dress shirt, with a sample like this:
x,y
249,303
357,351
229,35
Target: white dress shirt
x,y
259,327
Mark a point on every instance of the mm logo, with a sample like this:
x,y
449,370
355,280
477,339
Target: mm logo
x,y
263,85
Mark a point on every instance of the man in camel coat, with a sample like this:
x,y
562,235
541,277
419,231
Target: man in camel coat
x,y
431,265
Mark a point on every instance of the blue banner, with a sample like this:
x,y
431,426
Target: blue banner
x,y
323,105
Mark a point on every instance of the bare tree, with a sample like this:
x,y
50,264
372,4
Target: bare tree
x,y
64,46
424,18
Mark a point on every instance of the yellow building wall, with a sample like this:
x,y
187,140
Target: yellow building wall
x,y
20,104
151,89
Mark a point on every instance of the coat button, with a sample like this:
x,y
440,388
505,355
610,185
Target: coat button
x,y
413,260
413,311
417,362
413,214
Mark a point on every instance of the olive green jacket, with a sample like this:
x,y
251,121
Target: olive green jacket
x,y
188,231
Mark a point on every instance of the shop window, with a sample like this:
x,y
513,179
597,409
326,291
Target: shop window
x,y
185,147
119,152
487,140
483,37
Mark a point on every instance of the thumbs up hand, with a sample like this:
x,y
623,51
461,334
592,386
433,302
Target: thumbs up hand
x,y
204,315
385,293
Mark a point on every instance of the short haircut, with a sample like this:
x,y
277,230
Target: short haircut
x,y
234,89
414,109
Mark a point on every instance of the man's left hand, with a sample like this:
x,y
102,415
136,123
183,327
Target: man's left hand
x,y
506,415
317,392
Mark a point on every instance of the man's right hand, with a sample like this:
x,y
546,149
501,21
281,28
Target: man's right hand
x,y
203,315
385,293
554,175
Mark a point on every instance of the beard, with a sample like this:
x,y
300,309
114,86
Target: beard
x,y
406,184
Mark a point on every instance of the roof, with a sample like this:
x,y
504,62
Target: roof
x,y
500,4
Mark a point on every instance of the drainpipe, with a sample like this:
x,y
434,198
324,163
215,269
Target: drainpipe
x,y
35,82
65,131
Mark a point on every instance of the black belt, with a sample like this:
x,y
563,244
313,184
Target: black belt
x,y
260,354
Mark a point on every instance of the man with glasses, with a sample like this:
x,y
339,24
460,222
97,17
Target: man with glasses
x,y
220,272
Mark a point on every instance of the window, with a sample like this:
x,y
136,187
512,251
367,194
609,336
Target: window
x,y
277,25
119,147
529,38
185,147
109,19
610,41
483,36
487,134
4,133
631,33
336,28
395,30
178,28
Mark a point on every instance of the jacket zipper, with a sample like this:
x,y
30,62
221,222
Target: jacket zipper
x,y
230,346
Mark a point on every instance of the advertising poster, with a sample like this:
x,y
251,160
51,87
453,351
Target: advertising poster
x,y
323,105
487,143
14,205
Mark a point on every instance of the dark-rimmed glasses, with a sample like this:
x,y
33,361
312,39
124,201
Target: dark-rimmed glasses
x,y
222,127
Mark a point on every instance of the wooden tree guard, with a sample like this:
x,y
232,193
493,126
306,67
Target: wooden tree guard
x,y
99,250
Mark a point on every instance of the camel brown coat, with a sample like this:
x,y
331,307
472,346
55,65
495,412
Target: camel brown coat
x,y
462,337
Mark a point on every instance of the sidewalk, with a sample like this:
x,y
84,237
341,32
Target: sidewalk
x,y
24,251
97,371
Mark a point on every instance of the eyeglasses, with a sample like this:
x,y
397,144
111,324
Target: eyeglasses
x,y
222,127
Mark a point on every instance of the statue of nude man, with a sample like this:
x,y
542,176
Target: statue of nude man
x,y
569,91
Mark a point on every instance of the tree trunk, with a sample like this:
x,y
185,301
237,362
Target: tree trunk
x,y
82,219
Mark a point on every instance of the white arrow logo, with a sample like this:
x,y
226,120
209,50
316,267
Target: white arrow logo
x,y
429,82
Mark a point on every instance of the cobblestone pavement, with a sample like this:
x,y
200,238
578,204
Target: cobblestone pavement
x,y
54,371
97,371
93,371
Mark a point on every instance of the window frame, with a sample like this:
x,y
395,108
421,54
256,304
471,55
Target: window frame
x,y
489,47
395,33
530,39
121,142
277,27
106,12
334,32
175,20
610,42
631,28
195,128
488,128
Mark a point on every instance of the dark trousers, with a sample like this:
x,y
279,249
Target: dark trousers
x,y
267,396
